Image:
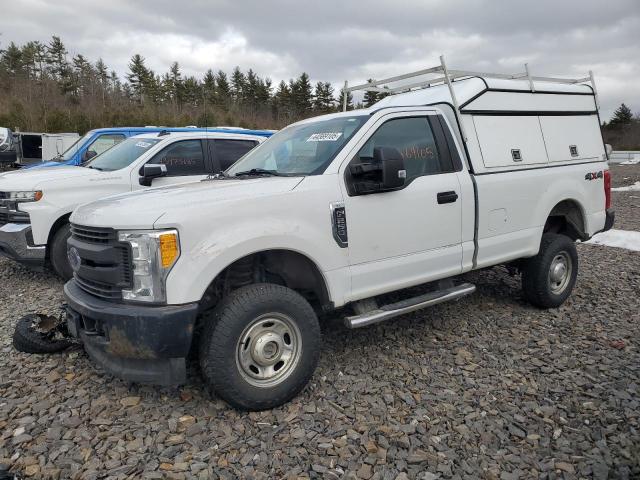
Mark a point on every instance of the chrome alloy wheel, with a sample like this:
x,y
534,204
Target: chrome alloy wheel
x,y
268,350
560,273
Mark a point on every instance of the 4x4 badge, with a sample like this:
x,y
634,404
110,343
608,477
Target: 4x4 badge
x,y
593,175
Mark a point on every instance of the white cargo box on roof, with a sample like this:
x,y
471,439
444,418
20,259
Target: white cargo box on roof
x,y
508,121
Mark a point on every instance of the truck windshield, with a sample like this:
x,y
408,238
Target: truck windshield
x,y
71,151
122,155
305,149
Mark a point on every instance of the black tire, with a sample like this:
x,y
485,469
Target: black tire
x,y
58,253
228,323
537,280
28,340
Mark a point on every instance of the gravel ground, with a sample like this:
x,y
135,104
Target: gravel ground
x,y
626,204
488,387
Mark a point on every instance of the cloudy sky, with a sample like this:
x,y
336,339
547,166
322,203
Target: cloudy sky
x,y
354,40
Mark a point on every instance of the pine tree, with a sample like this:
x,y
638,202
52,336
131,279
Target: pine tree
x,y
341,101
11,60
282,100
82,75
238,85
191,91
114,82
138,77
209,86
223,90
323,101
370,97
302,95
252,85
57,59
102,72
263,95
103,79
621,117
175,86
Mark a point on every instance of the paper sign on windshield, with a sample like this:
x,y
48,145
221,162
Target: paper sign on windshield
x,y
143,144
324,137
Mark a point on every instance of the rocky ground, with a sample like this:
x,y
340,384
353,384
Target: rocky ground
x,y
488,387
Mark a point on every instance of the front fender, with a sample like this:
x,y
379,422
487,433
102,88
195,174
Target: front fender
x,y
298,221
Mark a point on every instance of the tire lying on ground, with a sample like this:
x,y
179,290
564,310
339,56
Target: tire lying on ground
x,y
40,334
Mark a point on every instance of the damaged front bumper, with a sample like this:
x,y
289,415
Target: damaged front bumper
x,y
16,242
145,344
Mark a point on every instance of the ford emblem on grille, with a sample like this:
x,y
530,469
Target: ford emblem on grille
x,y
74,258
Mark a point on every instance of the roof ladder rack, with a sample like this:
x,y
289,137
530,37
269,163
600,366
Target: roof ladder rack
x,y
446,76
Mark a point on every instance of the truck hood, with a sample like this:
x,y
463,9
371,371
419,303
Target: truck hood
x,y
31,179
143,208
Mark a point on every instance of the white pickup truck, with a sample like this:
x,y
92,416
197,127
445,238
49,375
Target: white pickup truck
x,y
35,204
336,211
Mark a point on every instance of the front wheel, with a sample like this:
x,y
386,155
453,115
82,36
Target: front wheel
x,y
260,346
549,277
58,253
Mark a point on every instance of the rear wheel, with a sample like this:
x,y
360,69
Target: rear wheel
x,y
260,346
549,277
58,253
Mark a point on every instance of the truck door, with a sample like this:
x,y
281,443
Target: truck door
x,y
186,161
412,234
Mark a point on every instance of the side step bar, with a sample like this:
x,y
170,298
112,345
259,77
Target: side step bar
x,y
409,305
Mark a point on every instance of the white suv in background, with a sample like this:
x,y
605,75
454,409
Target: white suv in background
x,y
35,205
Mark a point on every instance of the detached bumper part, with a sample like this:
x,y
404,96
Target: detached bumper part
x,y
16,243
143,344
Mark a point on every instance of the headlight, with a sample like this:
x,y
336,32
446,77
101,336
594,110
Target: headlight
x,y
21,196
154,252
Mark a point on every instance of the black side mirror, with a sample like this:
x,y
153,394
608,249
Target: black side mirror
x,y
151,171
88,155
392,166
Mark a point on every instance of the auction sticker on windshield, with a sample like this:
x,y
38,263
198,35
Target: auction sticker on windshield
x,y
324,137
143,144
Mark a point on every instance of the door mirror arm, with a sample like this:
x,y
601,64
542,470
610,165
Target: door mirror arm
x,y
150,171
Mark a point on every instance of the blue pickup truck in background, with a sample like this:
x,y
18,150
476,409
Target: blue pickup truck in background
x,y
94,142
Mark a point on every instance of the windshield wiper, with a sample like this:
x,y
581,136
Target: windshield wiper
x,y
256,172
95,168
216,176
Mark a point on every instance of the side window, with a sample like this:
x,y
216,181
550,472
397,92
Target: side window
x,y
414,139
182,158
228,151
104,143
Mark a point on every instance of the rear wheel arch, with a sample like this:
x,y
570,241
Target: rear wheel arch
x,y
567,218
